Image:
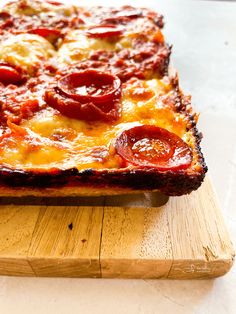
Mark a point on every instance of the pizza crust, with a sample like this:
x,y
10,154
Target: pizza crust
x,y
67,191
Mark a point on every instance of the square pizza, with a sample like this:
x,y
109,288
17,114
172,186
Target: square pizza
x,y
89,106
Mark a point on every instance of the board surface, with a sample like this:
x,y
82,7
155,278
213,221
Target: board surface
x,y
141,236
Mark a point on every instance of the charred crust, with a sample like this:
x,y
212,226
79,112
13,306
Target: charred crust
x,y
170,183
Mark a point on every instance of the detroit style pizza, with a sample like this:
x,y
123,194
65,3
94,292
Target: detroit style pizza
x,y
88,105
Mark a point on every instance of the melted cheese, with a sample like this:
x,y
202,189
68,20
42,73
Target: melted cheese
x,y
26,51
77,46
30,8
143,27
58,141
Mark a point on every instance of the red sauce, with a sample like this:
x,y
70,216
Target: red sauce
x,y
143,61
24,23
17,103
123,15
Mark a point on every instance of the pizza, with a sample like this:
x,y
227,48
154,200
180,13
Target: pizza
x,y
89,106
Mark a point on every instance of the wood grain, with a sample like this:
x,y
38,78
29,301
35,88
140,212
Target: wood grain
x,y
197,224
185,238
66,242
17,224
139,236
135,243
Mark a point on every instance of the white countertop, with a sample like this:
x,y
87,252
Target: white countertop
x,y
203,34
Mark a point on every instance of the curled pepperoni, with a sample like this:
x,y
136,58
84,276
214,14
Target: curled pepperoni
x,y
56,3
6,20
90,85
9,74
46,32
4,15
87,95
103,31
153,147
128,12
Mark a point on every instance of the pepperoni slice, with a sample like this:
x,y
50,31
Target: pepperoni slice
x,y
57,3
4,15
153,147
103,31
127,12
46,32
90,85
9,75
123,16
87,95
6,20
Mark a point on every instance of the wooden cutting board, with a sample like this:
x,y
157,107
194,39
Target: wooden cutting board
x,y
141,236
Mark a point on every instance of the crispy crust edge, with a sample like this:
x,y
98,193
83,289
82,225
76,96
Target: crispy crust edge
x,y
92,182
